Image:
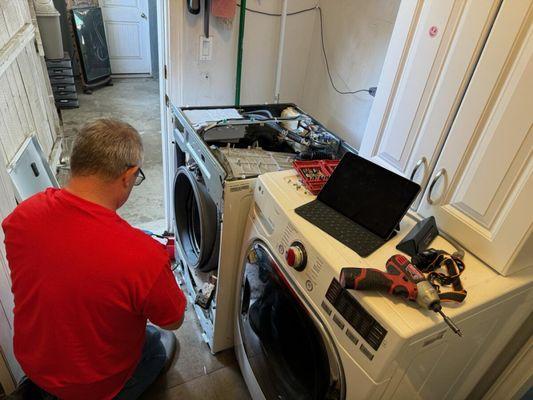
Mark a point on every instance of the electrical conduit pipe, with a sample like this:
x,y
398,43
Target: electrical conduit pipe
x,y
242,17
280,50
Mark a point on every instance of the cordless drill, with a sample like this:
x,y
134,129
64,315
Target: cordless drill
x,y
403,280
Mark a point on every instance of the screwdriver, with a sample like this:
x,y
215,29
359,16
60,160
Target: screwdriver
x,y
449,322
402,280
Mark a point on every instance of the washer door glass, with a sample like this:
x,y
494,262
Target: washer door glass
x,y
287,348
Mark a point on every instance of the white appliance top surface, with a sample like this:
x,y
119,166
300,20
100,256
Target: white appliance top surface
x,y
483,284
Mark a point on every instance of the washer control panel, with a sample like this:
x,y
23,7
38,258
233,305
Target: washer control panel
x,y
354,313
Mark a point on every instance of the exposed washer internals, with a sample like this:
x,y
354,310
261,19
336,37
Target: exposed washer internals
x,y
219,153
295,324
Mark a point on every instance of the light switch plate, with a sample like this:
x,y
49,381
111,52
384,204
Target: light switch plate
x,y
206,48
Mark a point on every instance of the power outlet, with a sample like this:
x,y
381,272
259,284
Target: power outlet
x,y
206,48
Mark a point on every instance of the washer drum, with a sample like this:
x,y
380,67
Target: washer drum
x,y
196,220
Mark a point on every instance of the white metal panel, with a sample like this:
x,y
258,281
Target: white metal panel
x,y
483,198
29,170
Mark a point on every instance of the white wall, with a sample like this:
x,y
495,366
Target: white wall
x,y
356,34
213,82
261,43
208,82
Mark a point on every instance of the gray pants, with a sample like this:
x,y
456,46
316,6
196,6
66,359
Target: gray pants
x,y
152,361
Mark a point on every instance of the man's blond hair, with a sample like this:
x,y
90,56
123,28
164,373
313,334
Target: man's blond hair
x,y
106,147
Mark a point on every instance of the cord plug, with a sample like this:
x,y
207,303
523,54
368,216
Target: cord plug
x,y
372,91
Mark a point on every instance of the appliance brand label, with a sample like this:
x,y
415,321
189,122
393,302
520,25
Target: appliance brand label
x,y
239,188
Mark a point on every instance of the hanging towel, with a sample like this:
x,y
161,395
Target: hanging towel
x,y
223,8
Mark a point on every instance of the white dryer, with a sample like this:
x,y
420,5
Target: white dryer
x,y
300,335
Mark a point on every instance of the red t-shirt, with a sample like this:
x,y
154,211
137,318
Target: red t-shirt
x,y
84,282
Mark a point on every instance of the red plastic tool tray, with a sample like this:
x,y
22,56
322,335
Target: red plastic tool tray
x,y
315,173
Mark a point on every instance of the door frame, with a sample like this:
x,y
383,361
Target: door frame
x,y
170,90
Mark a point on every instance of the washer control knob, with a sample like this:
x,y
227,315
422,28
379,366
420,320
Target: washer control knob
x,y
296,256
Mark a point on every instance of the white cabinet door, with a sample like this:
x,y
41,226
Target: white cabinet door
x,y
128,35
482,189
421,87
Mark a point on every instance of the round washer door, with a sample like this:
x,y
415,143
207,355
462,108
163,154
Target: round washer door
x,y
196,219
288,348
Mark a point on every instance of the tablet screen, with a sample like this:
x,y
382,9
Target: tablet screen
x,y
369,194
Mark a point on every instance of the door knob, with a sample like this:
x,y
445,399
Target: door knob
x,y
143,15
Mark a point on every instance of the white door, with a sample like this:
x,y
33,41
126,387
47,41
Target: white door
x,y
481,191
128,35
421,86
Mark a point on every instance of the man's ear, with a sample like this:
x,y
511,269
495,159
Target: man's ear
x,y
128,176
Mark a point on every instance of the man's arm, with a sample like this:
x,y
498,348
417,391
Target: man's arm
x,y
165,304
175,325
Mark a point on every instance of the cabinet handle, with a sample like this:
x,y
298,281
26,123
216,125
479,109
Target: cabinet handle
x,y
143,15
419,163
432,185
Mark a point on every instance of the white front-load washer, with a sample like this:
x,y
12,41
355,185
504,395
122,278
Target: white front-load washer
x,y
300,335
215,170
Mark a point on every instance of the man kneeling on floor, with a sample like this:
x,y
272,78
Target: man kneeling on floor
x,y
85,282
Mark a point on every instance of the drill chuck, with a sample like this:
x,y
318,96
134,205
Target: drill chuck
x,y
429,298
427,295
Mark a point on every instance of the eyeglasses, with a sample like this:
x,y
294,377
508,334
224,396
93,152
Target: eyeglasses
x,y
139,178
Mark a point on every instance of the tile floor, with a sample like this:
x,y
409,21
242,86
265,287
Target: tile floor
x,y
196,373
